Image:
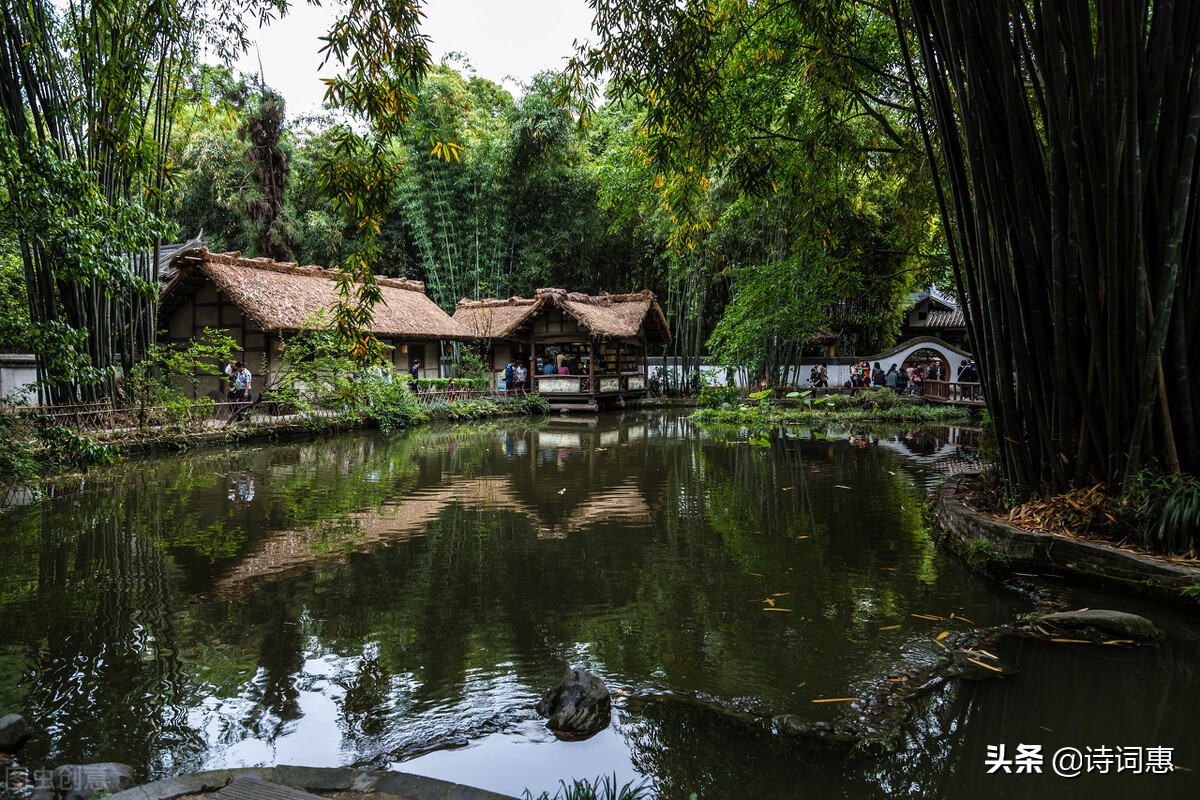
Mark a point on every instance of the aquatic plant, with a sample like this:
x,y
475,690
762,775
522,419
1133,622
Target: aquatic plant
x,y
601,788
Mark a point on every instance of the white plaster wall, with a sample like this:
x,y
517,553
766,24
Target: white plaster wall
x,y
18,371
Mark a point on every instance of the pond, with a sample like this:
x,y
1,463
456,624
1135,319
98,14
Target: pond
x,y
402,602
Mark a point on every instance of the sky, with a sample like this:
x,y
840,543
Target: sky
x,y
507,41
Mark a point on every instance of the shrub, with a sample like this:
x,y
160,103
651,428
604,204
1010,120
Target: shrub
x,y
392,404
1168,512
716,396
462,384
33,444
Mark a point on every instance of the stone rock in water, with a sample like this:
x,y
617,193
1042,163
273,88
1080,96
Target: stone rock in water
x,y
578,706
1117,624
13,733
82,781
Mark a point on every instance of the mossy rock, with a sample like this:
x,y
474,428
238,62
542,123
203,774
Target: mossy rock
x,y
1100,623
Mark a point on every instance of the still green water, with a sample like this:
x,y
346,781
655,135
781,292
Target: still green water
x,y
403,602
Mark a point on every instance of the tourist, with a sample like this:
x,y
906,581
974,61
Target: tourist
x,y
521,375
893,375
936,371
451,390
824,378
902,381
414,371
971,375
510,373
549,368
230,366
242,383
877,376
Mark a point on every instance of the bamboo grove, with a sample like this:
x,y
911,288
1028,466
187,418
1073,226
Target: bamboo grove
x,y
84,112
1069,133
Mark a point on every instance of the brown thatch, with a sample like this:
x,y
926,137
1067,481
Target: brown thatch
x,y
284,297
494,319
605,316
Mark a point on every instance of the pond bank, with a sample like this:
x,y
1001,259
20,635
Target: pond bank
x,y
995,547
107,446
338,782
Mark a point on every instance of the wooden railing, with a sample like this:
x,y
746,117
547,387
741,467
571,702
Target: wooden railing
x,y
104,416
956,392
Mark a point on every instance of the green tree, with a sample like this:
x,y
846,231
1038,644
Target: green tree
x,y
786,164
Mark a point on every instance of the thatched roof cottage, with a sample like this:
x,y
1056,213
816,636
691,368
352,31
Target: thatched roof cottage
x,y
580,350
259,301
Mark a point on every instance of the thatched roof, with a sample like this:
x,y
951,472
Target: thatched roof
x,y
494,319
605,316
284,298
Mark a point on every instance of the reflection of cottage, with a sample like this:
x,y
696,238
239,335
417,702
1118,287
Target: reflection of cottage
x,y
581,350
258,301
934,314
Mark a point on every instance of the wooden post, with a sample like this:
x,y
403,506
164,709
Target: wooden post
x,y
532,366
592,353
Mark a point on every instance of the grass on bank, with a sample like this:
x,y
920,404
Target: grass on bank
x,y
724,406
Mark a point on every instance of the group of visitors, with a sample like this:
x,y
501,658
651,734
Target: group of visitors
x,y
516,377
818,376
563,364
906,379
240,382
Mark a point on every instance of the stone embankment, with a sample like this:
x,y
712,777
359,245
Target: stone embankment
x,y
998,547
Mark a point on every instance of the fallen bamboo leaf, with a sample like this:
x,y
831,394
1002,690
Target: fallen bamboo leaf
x,y
903,679
788,488
961,617
840,486
1119,641
942,635
776,609
928,617
803,537
889,627
836,700
768,601
1071,641
985,666
755,574
780,594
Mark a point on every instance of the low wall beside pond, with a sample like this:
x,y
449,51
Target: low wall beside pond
x,y
996,546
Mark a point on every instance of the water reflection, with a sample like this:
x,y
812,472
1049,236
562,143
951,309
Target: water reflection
x,y
373,601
